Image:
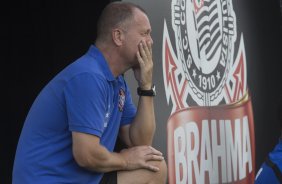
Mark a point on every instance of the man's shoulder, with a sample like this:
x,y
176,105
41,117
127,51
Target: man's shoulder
x,y
84,64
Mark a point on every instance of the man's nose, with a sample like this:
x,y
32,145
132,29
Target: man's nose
x,y
150,39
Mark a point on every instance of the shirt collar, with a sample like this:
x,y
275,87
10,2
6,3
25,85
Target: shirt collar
x,y
100,59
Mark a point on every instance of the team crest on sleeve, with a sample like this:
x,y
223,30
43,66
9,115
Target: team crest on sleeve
x,y
121,99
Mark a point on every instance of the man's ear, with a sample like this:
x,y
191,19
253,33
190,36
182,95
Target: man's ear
x,y
117,36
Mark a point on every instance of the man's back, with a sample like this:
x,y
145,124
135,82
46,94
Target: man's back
x,y
44,152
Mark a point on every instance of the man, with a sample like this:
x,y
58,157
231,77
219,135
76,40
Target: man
x,y
271,169
71,129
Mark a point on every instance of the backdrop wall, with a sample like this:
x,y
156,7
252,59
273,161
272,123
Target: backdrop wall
x,y
217,83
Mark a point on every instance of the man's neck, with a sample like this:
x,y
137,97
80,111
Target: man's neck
x,y
113,58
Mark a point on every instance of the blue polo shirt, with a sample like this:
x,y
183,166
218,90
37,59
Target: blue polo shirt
x,y
84,97
266,174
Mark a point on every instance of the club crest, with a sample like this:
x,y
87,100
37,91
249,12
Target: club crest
x,y
121,99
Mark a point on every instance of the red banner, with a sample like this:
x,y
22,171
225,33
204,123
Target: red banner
x,y
213,144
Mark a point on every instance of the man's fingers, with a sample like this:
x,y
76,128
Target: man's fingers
x,y
145,50
153,168
146,47
142,51
140,59
145,157
154,158
154,151
150,49
151,154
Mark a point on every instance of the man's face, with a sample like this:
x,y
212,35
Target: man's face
x,y
139,29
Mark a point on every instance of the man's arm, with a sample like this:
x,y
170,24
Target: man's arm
x,y
141,130
89,154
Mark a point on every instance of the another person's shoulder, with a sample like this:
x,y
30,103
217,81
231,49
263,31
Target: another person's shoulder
x,y
270,171
266,175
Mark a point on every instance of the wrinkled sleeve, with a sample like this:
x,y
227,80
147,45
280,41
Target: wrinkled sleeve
x,y
86,105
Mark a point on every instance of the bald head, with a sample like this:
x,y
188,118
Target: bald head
x,y
115,15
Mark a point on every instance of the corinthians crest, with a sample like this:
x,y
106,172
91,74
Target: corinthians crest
x,y
203,71
210,132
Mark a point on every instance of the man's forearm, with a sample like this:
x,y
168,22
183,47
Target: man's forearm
x,y
113,162
89,154
143,127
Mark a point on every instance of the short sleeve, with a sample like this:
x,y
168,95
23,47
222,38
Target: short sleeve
x,y
86,105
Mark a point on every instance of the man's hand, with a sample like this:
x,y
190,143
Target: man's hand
x,y
138,157
90,154
143,74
